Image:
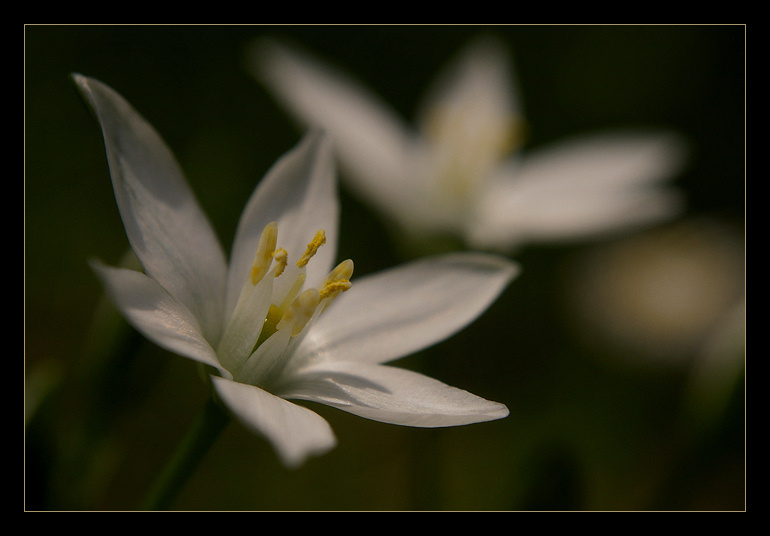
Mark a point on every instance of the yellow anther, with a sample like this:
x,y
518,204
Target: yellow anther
x,y
332,288
318,240
300,311
337,281
264,255
280,257
343,271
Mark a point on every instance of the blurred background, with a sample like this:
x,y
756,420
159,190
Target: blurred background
x,y
621,360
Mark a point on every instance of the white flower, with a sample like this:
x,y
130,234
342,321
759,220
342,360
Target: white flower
x,y
462,171
658,296
669,298
262,322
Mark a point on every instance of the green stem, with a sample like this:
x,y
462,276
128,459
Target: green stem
x,y
189,453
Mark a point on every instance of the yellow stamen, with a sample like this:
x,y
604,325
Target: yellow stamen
x,y
264,255
276,312
343,271
337,281
280,257
274,315
300,311
292,292
332,288
318,240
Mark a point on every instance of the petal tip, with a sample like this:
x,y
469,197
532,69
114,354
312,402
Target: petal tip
x,y
84,84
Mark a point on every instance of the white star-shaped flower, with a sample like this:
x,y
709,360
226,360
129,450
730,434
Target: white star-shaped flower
x,y
462,171
279,321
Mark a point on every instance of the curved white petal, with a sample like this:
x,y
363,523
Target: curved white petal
x,y
372,142
581,187
299,193
295,432
155,314
166,227
405,309
390,394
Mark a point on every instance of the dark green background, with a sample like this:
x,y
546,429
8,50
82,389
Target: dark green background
x,y
582,434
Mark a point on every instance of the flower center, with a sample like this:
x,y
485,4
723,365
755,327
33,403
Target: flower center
x,y
468,145
274,309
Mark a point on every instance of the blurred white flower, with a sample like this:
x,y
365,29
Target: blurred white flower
x,y
264,322
670,299
462,171
662,296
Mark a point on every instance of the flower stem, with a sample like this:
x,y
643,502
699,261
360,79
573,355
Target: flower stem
x,y
204,431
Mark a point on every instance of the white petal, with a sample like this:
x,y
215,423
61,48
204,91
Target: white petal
x,y
166,227
294,431
372,142
579,188
400,311
479,84
470,122
577,217
392,395
155,314
300,194
615,159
